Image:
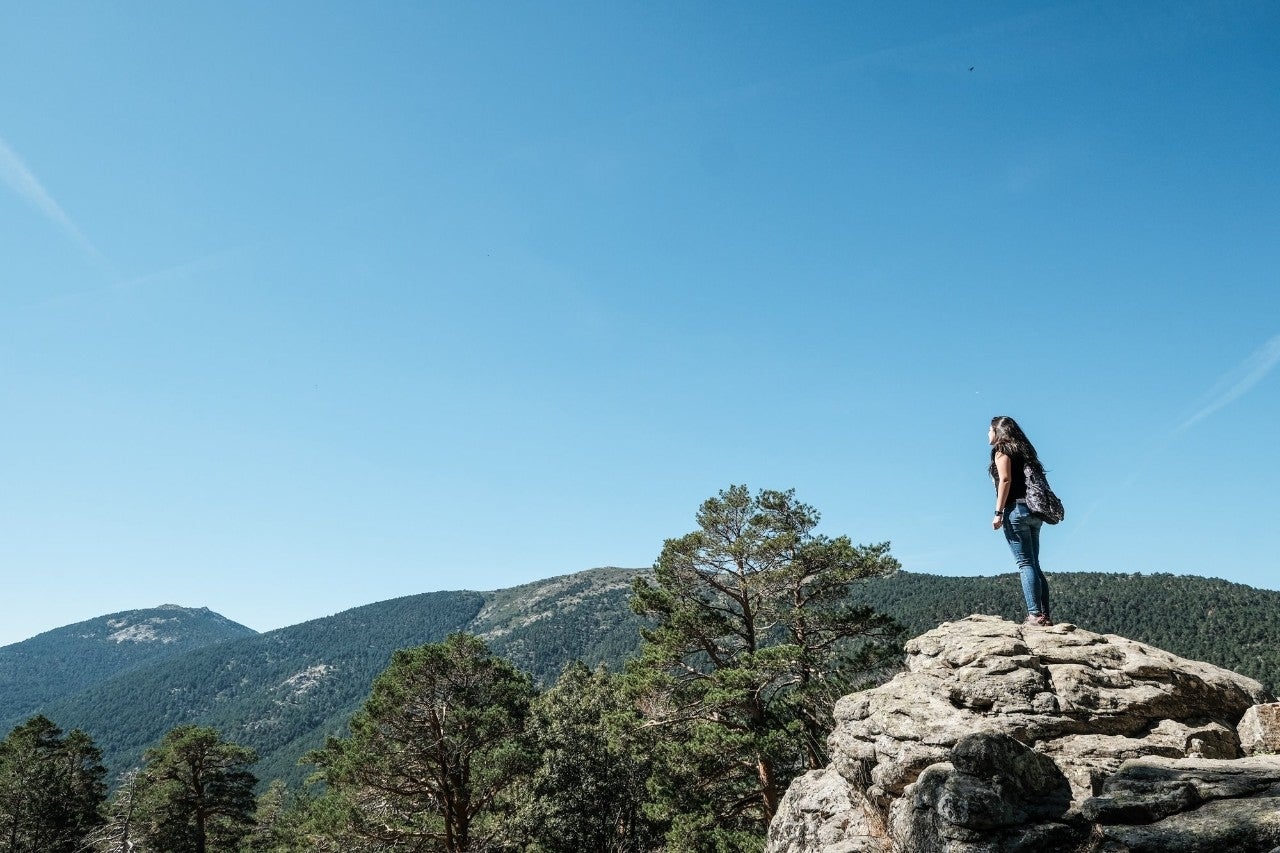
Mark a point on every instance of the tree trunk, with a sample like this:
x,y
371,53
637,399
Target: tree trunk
x,y
768,788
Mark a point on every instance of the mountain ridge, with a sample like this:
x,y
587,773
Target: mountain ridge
x,y
78,656
283,691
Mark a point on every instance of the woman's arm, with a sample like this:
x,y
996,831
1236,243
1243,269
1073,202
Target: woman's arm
x,y
1003,483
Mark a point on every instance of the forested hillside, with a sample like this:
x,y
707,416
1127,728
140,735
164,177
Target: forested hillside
x,y
264,691
542,626
68,660
1228,624
283,691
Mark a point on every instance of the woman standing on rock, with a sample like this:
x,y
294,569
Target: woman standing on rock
x,y
1011,453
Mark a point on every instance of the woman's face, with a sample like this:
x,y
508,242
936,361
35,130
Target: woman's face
x,y
991,435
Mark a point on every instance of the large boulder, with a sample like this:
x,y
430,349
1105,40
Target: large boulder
x,y
997,734
828,815
1162,805
995,794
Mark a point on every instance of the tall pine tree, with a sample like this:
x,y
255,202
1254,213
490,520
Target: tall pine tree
x,y
50,788
434,750
757,629
196,792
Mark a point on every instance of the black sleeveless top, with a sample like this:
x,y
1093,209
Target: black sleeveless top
x,y
1017,479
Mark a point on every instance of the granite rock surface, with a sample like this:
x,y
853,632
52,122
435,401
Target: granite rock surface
x,y
1001,737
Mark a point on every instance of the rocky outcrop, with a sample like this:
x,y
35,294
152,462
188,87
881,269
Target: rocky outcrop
x,y
1259,730
1001,737
1163,805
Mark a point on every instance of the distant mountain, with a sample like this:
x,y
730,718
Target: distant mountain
x,y
542,626
281,692
74,658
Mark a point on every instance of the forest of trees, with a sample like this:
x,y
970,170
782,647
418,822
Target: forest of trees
x,y
689,749
283,692
745,632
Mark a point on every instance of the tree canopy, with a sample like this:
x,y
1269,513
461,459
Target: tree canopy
x,y
51,786
196,793
755,631
433,749
587,790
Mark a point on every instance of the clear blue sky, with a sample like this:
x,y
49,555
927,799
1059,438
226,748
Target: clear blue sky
x,y
308,305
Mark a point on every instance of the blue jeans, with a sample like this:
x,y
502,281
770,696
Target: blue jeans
x,y
1022,532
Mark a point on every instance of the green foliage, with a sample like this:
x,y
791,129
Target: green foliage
x,y
195,793
437,744
282,823
50,788
279,692
269,831
587,791
755,628
300,821
282,693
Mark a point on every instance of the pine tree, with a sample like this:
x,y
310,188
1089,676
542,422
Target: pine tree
x,y
50,788
588,789
435,748
196,793
756,633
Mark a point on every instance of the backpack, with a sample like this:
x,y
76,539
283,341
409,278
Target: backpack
x,y
1040,498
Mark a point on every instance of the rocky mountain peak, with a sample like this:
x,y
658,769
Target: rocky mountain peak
x,y
67,660
1001,737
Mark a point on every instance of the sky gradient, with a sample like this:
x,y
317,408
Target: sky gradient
x,y
309,305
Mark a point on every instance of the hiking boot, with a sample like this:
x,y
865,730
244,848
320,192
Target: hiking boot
x,y
1037,620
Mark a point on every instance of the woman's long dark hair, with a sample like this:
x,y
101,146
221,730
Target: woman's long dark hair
x,y
1012,441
